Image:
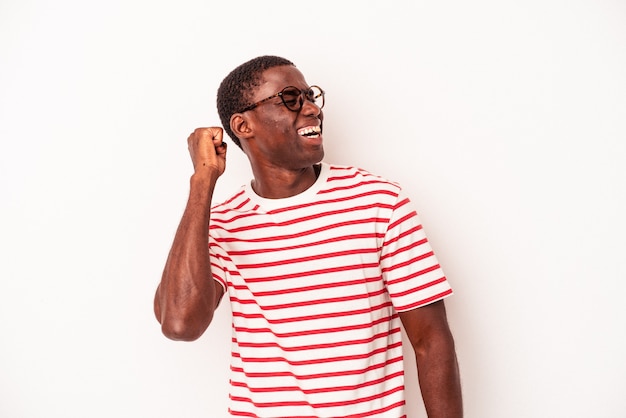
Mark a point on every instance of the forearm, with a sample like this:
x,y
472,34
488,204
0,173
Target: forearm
x,y
186,297
439,378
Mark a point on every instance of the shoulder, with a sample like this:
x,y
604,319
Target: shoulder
x,y
237,205
351,176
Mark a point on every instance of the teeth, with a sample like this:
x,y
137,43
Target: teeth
x,y
310,130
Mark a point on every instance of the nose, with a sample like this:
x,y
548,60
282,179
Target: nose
x,y
309,108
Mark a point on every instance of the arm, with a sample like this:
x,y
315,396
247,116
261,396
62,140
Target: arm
x,y
438,372
187,294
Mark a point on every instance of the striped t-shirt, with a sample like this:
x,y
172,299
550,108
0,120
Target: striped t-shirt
x,y
315,282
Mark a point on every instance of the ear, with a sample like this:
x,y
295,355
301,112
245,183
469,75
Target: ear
x,y
241,126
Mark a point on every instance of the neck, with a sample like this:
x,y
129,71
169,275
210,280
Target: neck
x,y
273,183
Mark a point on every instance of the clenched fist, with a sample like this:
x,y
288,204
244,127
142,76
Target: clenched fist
x,y
207,150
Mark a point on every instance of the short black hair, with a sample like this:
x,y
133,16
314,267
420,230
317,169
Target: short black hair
x,y
236,89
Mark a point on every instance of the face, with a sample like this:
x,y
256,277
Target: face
x,y
282,138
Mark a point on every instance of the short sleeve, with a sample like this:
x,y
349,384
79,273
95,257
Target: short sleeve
x,y
410,268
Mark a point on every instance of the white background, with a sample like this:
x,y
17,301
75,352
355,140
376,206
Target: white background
x,y
505,120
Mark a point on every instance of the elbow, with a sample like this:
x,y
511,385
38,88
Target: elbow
x,y
183,330
180,321
181,324
180,334
439,348
185,325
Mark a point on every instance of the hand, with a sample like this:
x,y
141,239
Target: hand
x,y
207,150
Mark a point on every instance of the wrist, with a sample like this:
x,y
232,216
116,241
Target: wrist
x,y
201,186
204,178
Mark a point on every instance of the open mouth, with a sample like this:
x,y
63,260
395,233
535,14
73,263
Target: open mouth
x,y
310,131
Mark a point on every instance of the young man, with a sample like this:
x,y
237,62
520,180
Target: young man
x,y
321,263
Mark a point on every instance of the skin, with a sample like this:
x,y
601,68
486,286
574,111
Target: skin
x,y
282,162
187,295
435,355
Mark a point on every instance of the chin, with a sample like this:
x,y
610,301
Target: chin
x,y
319,156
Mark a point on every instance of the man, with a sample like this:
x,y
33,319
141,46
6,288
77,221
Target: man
x,y
321,264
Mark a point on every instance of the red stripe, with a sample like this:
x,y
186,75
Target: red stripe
x,y
416,274
373,412
302,219
313,331
424,301
346,177
414,244
403,235
319,360
238,217
304,233
318,390
310,258
401,220
409,262
378,411
322,302
340,199
312,273
310,288
232,199
373,338
248,414
326,375
373,235
311,317
355,185
318,405
418,288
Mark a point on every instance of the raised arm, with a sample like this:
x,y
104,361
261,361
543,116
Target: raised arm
x,y
438,372
187,294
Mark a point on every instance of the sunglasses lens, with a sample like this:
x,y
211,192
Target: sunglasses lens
x,y
316,95
292,98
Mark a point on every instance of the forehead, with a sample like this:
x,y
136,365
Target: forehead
x,y
277,78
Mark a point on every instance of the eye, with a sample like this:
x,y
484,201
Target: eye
x,y
291,97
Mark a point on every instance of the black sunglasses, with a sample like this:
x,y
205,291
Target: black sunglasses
x,y
293,98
